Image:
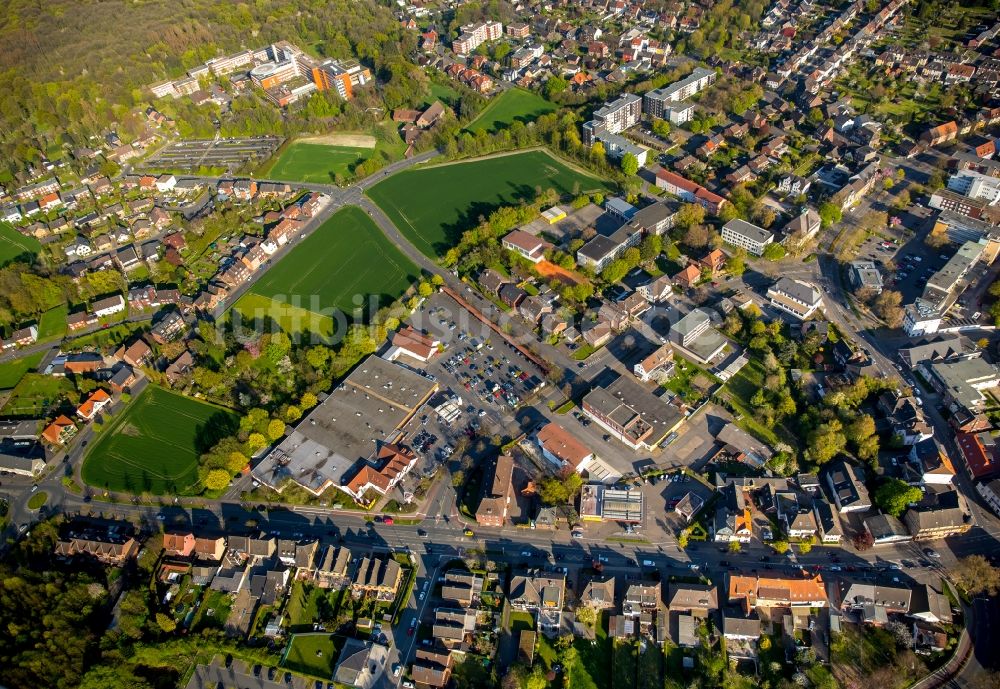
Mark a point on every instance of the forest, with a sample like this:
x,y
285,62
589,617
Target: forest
x,y
64,81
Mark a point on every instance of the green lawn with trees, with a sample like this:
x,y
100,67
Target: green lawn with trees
x,y
154,446
432,206
345,259
512,105
35,394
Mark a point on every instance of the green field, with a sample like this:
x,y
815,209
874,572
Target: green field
x,y
312,654
317,163
52,324
11,372
432,206
155,444
14,244
35,394
513,105
346,256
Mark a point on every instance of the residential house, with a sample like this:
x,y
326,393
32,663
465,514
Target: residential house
x,y
688,277
756,591
137,354
884,528
109,548
361,664
699,600
431,668
332,569
452,626
109,306
378,577
800,299
599,592
209,548
689,506
658,366
542,594
563,449
497,493
178,544
733,518
828,522
872,601
461,587
92,406
60,431
847,486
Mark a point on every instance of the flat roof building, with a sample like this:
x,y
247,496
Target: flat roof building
x,y
365,411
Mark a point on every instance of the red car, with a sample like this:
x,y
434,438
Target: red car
x,y
387,521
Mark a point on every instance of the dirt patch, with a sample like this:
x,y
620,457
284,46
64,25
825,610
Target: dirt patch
x,y
550,270
350,140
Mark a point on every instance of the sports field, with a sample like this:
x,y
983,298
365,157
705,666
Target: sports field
x,y
14,244
432,206
155,444
340,266
511,106
317,163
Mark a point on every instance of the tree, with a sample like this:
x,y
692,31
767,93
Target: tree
x,y
165,622
780,547
651,247
597,153
308,400
630,164
424,289
826,441
830,214
805,547
697,236
554,85
689,215
774,252
586,615
217,479
888,307
975,575
863,540
275,429
293,413
236,462
615,271
256,441
735,546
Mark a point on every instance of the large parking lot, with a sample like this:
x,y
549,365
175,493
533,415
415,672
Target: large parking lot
x,y
228,153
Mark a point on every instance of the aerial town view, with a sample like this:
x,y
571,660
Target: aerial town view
x,y
500,344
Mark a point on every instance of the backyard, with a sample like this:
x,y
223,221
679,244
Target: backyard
x,y
34,394
11,372
432,206
312,654
740,389
346,257
155,444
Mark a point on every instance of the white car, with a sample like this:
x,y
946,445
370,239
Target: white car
x,y
396,669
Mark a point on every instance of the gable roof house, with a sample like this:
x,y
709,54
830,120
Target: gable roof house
x,y
599,592
377,576
847,486
733,519
697,599
497,493
361,664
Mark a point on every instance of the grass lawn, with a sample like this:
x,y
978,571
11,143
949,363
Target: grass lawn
x,y
346,257
432,206
155,444
593,671
303,604
11,372
623,665
312,654
37,500
511,106
52,324
521,621
443,93
650,673
214,610
14,244
35,394
317,163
